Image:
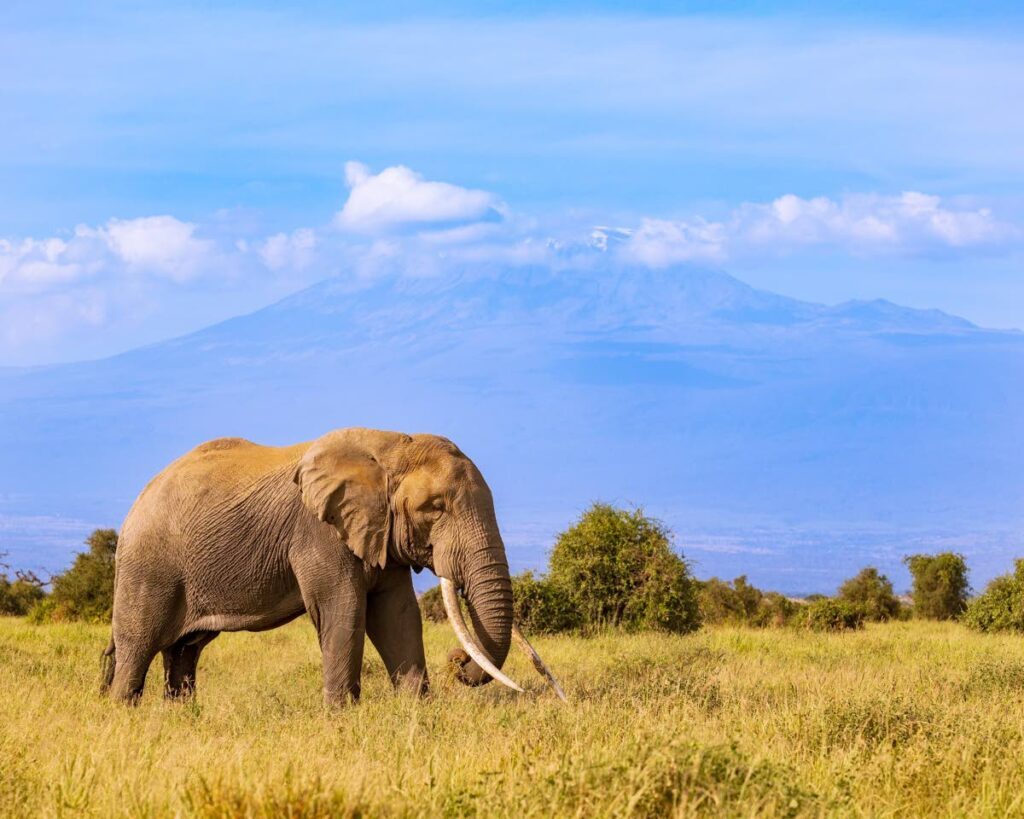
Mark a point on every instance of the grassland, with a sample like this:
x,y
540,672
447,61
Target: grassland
x,y
903,719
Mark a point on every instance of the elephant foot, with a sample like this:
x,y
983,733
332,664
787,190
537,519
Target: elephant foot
x,y
414,683
344,697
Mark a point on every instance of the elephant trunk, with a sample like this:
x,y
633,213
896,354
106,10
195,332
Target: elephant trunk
x,y
470,653
488,591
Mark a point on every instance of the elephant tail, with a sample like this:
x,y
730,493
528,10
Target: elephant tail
x,y
108,662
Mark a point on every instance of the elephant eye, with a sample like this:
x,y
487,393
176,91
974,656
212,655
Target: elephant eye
x,y
433,507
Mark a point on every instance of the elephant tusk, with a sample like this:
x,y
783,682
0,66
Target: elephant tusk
x,y
451,606
538,663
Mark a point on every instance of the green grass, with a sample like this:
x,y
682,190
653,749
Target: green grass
x,y
902,719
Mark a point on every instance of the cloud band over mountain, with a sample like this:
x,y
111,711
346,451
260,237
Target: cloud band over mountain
x,y
56,290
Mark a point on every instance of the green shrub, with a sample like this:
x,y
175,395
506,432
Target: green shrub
x,y
1001,606
539,606
724,602
740,603
618,568
19,596
775,611
86,590
432,605
542,607
872,593
827,614
940,585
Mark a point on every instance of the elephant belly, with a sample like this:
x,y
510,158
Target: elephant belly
x,y
256,618
239,579
239,594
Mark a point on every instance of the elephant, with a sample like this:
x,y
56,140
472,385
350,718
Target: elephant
x,y
236,536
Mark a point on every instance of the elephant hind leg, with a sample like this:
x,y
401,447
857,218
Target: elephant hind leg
x,y
180,661
129,671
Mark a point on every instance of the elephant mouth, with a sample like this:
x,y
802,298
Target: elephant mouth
x,y
451,605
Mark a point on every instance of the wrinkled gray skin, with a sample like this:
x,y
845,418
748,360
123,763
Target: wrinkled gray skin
x,y
240,537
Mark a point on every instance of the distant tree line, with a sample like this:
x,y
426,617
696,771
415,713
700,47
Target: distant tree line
x,y
84,592
618,568
615,568
601,572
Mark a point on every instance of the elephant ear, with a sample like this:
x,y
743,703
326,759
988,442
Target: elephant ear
x,y
344,485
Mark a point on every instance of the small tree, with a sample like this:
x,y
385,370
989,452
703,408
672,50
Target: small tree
x,y
619,569
17,597
432,605
741,603
827,614
774,611
736,602
719,602
871,592
940,585
542,607
1001,606
86,590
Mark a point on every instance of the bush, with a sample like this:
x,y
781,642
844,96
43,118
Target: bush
x,y
538,605
432,605
827,614
872,593
1001,606
618,568
940,585
542,607
775,611
741,603
86,590
19,596
723,602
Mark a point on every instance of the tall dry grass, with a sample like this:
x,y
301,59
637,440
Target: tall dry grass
x,y
902,719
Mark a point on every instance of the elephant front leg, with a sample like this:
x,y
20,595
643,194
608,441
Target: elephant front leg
x,y
334,593
341,627
394,626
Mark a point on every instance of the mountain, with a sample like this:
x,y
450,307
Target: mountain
x,y
792,441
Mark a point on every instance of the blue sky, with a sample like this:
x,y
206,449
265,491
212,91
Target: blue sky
x,y
162,168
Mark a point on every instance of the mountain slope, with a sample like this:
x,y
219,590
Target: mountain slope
x,y
790,440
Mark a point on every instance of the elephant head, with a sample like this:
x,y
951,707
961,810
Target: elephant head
x,y
417,500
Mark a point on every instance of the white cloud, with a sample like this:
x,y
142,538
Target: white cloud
x,y
398,199
99,280
293,250
910,223
160,245
35,265
660,242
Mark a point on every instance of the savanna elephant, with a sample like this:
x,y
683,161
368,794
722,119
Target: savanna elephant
x,y
240,537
